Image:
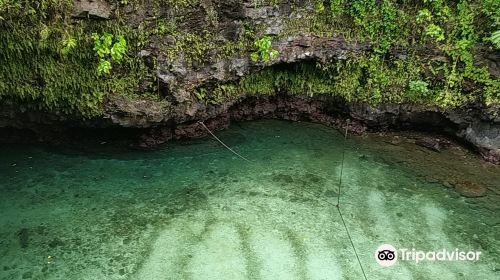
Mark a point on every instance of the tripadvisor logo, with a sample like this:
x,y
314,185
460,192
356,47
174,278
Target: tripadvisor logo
x,y
387,255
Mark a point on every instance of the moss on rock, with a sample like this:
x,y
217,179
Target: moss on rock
x,y
47,61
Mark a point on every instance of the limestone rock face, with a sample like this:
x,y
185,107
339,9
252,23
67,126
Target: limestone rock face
x,y
485,136
100,9
478,126
177,76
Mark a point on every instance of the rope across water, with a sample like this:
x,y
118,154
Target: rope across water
x,y
338,203
222,143
306,190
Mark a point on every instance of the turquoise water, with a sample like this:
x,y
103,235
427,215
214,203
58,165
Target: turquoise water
x,y
193,210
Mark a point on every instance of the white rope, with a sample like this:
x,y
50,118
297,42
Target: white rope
x,y
338,203
222,143
311,193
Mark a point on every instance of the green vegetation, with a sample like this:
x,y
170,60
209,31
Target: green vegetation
x,y
264,50
51,61
354,80
109,48
495,39
418,89
454,28
48,61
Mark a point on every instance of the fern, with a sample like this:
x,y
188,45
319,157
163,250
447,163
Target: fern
x,y
495,39
68,45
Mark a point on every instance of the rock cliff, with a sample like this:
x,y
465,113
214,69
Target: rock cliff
x,y
190,61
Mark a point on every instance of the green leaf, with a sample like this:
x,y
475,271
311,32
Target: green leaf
x,y
104,67
435,32
254,57
265,50
495,39
68,45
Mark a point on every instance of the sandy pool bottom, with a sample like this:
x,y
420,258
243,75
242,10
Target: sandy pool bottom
x,y
195,211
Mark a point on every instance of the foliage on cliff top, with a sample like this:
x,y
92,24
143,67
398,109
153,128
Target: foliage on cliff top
x,y
48,61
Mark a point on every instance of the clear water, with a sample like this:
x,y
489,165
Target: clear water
x,y
193,210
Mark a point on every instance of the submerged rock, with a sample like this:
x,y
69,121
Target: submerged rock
x,y
24,236
470,189
429,143
56,242
27,275
330,193
284,178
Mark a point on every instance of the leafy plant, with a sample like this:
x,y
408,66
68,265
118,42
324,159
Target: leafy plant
x,y
495,39
419,89
319,7
336,7
200,93
264,50
68,44
378,21
424,16
108,48
104,67
435,32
